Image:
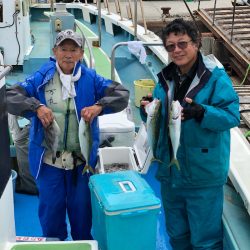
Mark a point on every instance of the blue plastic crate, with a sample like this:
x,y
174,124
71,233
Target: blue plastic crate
x,y
125,211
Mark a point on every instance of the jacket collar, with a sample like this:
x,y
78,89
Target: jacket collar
x,y
202,76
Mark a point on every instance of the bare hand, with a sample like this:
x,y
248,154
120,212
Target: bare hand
x,y
146,99
45,115
89,113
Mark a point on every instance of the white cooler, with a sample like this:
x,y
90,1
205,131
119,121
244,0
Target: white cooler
x,y
138,157
118,127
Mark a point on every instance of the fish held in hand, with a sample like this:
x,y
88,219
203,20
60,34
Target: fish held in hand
x,y
153,110
175,130
85,139
51,136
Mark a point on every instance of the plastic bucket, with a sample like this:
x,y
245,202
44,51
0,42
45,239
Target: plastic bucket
x,y
142,88
14,176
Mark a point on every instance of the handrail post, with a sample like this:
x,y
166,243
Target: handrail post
x,y
99,22
143,18
113,58
135,20
215,3
106,2
232,30
52,9
118,6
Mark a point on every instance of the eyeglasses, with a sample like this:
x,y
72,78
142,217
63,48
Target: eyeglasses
x,y
180,45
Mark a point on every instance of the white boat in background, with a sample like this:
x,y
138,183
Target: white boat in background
x,y
28,29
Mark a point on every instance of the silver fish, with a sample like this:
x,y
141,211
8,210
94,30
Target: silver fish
x,y
51,137
175,130
153,110
85,139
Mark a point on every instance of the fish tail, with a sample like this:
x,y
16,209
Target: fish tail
x,y
87,169
53,159
174,162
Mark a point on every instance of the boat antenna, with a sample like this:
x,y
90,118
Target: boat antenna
x,y
191,14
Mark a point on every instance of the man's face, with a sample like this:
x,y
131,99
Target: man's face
x,y
67,55
181,50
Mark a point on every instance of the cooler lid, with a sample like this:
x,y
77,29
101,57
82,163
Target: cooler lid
x,y
115,123
124,190
142,150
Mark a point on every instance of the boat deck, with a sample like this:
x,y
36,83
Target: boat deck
x,y
29,211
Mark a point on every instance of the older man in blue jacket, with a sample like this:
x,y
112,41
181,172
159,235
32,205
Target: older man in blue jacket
x,y
192,194
64,90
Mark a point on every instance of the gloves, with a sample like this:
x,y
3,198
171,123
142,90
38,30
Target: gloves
x,y
193,111
143,112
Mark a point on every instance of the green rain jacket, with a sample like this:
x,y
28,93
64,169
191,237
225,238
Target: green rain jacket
x,y
204,149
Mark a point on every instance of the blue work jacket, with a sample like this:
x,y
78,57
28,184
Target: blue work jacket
x,y
89,89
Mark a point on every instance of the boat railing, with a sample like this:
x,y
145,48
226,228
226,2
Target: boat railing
x,y
214,16
132,14
91,55
128,5
5,71
125,44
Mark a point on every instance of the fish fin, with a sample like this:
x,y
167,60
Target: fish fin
x,y
87,169
174,162
156,160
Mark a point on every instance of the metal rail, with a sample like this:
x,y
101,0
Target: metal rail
x,y
99,6
215,2
238,51
124,44
232,30
143,18
5,71
52,9
119,11
135,20
106,4
91,55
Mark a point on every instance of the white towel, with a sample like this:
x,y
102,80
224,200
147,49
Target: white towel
x,y
68,87
136,48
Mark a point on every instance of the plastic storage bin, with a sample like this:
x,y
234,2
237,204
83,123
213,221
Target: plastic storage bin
x,y
124,210
142,88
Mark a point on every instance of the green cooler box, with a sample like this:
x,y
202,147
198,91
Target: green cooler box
x,y
55,245
125,211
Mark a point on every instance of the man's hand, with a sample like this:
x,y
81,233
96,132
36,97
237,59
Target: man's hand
x,y
146,100
89,113
192,111
143,103
45,115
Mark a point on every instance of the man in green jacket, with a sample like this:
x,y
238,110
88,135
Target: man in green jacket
x,y
192,194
